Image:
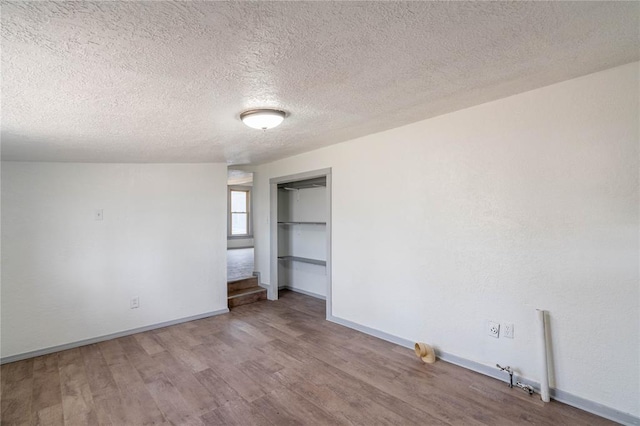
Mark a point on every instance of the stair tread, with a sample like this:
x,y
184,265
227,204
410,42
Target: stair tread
x,y
243,283
237,280
245,296
240,292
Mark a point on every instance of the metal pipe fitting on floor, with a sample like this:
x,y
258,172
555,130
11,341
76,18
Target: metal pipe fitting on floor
x,y
508,370
525,388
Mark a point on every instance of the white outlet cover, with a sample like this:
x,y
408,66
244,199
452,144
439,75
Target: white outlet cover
x,y
507,330
493,329
98,214
135,302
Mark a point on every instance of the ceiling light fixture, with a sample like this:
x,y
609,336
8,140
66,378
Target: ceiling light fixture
x,y
262,119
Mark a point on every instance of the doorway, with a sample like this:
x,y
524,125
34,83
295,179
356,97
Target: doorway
x,y
240,243
300,226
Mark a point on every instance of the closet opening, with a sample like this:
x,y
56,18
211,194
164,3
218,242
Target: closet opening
x,y
300,235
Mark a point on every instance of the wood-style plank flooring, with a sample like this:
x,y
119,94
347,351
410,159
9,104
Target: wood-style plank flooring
x,y
269,363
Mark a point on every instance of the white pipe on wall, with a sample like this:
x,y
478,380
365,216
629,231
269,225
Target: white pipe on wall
x,y
544,367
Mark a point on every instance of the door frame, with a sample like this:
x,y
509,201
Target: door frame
x,y
272,290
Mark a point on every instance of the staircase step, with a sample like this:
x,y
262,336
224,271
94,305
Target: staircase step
x,y
242,283
244,296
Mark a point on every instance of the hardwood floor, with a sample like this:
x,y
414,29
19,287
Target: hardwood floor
x,y
268,363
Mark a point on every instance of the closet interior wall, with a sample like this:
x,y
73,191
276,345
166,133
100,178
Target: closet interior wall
x,y
302,239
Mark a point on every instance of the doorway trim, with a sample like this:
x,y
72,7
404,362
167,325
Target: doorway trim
x,y
272,291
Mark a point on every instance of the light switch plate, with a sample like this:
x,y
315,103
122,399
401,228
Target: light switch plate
x,y
507,330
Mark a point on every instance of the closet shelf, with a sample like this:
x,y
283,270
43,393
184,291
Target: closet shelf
x,y
302,223
304,260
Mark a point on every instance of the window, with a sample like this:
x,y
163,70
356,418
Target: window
x,y
239,212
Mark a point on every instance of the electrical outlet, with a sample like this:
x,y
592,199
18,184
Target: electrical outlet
x,y
507,329
98,214
135,302
493,329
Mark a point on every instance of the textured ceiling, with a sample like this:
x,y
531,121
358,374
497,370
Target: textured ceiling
x,y
165,82
239,177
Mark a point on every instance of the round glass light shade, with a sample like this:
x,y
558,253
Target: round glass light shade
x,y
262,119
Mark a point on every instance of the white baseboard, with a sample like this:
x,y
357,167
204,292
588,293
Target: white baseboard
x,y
307,293
64,347
557,394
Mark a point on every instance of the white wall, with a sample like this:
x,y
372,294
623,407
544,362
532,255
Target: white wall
x,y
67,277
488,213
239,243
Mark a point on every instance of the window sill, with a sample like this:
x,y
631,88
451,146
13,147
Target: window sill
x,y
239,237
